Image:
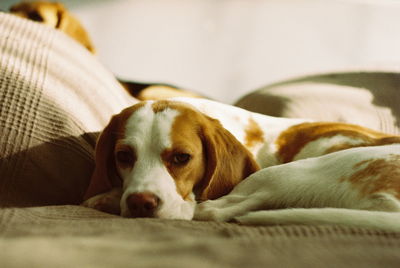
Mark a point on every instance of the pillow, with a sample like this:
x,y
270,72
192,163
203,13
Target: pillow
x,y
370,99
54,96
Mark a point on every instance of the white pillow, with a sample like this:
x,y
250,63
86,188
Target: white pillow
x,y
370,99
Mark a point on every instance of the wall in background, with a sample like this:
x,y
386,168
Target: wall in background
x,y
227,48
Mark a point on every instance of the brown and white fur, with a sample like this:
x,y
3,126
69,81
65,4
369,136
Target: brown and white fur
x,y
56,16
159,159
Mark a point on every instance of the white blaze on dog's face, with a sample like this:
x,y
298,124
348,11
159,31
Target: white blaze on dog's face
x,y
163,162
166,155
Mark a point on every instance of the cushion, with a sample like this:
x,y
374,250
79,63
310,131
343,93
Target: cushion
x,y
53,96
370,99
72,236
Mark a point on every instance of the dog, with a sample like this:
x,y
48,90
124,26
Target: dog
x,y
189,158
57,16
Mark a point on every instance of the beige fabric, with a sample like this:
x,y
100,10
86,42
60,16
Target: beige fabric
x,y
52,94
70,236
371,99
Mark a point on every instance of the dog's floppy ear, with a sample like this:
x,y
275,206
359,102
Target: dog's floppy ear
x,y
228,161
104,176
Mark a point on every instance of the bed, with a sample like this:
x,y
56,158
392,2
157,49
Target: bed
x,y
54,99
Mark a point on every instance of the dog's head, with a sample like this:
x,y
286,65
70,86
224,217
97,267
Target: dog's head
x,y
56,16
166,155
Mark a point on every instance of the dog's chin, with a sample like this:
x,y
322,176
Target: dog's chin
x,y
182,211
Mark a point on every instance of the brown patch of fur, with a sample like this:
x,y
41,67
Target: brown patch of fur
x,y
378,175
220,160
54,15
254,134
185,139
292,140
228,161
162,105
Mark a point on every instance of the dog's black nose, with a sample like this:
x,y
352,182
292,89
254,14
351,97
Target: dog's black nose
x,y
142,204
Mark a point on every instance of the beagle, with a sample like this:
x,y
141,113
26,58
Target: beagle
x,y
55,15
188,158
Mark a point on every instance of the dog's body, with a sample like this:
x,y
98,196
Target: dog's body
x,y
303,164
339,187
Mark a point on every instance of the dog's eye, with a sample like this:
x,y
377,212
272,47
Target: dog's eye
x,y
181,159
35,16
124,157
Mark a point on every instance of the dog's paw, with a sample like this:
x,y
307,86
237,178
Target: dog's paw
x,y
107,202
206,211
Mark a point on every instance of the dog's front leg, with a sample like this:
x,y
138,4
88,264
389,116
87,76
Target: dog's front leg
x,y
295,184
255,192
108,202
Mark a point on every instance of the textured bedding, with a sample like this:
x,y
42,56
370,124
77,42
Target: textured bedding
x,y
54,94
54,97
71,236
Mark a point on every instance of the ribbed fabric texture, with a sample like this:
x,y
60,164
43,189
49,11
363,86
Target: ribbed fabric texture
x,y
53,94
72,236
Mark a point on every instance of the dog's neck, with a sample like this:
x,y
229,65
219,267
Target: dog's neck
x,y
255,131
